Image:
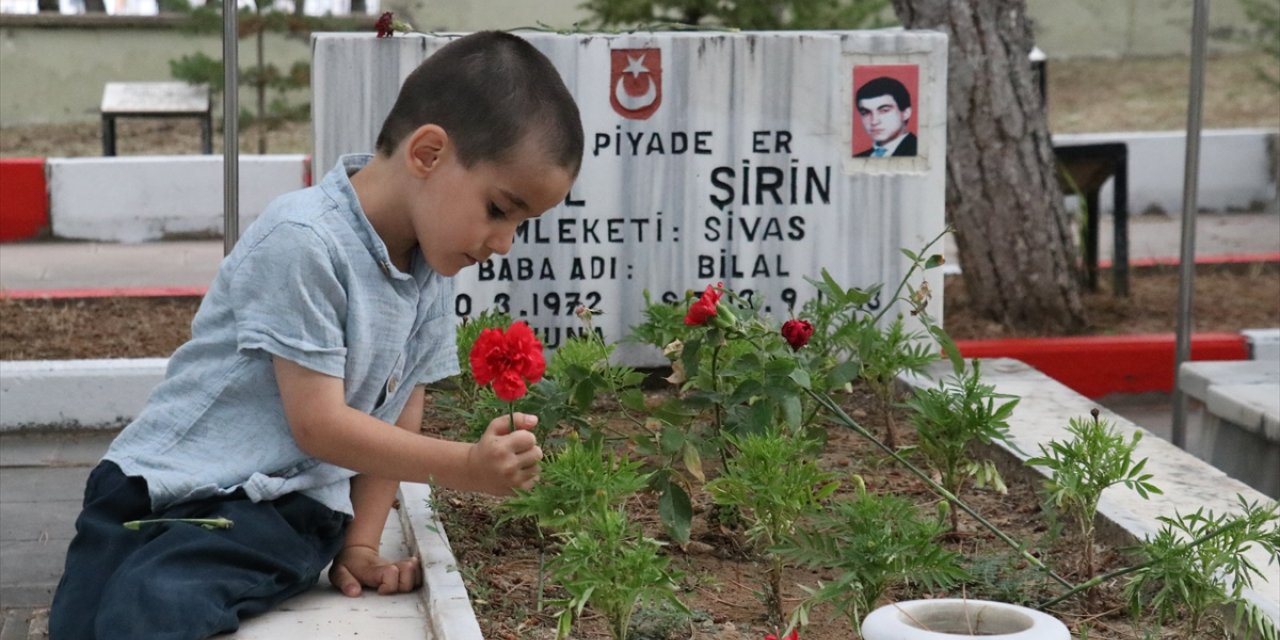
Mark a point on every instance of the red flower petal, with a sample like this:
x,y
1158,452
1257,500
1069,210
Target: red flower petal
x,y
509,386
508,359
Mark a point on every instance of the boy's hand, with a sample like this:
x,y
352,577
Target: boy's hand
x,y
360,566
505,460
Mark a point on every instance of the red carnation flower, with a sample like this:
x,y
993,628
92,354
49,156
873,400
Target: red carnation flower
x,y
797,333
508,360
704,308
385,24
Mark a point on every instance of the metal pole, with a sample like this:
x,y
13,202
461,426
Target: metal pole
x,y
230,126
1187,264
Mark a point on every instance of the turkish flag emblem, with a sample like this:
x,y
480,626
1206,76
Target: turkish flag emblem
x,y
635,82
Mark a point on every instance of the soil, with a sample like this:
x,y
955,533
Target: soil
x,y
721,581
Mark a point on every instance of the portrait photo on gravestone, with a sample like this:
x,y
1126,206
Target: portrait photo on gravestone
x,y
885,100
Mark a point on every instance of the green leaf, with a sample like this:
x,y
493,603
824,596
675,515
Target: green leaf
x,y
934,261
949,348
800,377
672,441
676,512
632,399
693,461
843,373
791,410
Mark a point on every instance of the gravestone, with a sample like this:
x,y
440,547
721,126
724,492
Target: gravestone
x,y
710,157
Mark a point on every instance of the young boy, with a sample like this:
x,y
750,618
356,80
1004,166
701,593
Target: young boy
x,y
314,339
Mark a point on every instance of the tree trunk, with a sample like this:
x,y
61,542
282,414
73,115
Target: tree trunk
x,y
94,6
1013,231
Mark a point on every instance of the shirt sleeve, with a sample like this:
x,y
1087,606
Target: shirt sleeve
x,y
289,301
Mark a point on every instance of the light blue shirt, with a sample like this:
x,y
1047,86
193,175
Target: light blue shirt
x,y
310,281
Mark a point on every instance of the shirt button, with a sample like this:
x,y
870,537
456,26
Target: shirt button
x,y
392,384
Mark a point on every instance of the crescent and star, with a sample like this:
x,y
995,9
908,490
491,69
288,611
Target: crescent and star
x,y
635,67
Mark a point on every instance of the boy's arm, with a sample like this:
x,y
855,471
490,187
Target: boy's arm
x,y
325,427
360,564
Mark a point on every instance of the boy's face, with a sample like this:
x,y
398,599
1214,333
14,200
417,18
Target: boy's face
x,y
465,215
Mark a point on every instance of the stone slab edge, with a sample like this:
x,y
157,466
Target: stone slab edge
x,y
1188,483
75,394
448,607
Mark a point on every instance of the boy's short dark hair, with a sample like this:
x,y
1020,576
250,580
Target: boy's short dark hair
x,y
488,91
885,86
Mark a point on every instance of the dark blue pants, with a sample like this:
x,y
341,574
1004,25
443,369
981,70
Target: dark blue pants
x,y
172,581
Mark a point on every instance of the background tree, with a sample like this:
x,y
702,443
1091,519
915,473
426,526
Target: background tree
x,y
263,76
1012,227
1003,197
743,14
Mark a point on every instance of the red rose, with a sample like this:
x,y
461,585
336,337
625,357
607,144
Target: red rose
x,y
797,333
508,360
704,308
385,25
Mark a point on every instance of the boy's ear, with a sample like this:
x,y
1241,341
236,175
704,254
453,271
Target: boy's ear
x,y
425,149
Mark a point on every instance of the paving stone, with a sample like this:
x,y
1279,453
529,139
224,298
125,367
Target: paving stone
x,y
39,627
15,624
34,521
41,484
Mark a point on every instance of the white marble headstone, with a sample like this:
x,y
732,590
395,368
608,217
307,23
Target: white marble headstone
x,y
710,156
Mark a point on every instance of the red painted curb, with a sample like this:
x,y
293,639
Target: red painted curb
x,y
24,205
121,292
1095,366
1173,261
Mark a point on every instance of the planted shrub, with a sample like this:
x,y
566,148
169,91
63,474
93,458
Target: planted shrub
x,y
1096,458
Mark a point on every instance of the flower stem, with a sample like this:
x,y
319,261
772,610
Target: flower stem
x,y
844,418
1138,567
915,265
207,523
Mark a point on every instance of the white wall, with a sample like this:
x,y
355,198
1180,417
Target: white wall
x,y
1237,169
140,198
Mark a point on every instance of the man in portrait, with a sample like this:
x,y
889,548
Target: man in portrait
x,y
884,106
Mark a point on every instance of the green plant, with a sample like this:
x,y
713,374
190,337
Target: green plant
x,y
577,483
1265,17
952,417
775,483
885,354
262,76
615,569
874,542
1095,459
1197,563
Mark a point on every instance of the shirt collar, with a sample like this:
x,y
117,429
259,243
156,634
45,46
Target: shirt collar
x,y
893,144
337,184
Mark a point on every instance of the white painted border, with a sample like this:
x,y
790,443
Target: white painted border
x,y
445,596
142,198
75,394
